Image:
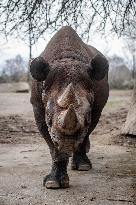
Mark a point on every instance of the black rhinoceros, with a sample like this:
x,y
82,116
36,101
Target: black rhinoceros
x,y
69,91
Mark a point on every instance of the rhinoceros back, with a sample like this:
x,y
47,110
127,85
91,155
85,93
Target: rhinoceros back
x,y
67,44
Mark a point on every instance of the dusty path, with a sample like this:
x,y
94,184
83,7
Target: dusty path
x,y
25,159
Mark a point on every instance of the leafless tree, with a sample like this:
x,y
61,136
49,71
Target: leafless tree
x,y
16,15
14,70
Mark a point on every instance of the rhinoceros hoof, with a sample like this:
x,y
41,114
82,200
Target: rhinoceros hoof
x,y
81,163
56,182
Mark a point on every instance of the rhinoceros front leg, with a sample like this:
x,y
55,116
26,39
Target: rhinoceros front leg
x,y
58,177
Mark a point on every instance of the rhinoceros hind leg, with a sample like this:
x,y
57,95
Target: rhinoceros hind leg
x,y
80,162
80,159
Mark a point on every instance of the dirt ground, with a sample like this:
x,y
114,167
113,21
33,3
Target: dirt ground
x,y
25,158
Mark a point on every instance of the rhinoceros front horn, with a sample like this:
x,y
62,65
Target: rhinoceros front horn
x,y
68,121
39,69
68,97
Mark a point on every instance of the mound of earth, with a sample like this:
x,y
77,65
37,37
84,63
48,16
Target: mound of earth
x,y
109,130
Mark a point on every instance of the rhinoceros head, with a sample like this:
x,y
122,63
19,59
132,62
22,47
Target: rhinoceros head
x,y
68,98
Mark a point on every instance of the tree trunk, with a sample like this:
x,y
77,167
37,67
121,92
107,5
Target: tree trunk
x,y
30,48
130,124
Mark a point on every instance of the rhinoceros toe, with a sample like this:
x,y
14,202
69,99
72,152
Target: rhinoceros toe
x,y
55,182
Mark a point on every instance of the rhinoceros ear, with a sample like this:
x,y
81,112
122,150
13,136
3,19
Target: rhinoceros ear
x,y
98,67
39,69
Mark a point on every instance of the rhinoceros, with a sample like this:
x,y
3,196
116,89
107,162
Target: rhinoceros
x,y
69,90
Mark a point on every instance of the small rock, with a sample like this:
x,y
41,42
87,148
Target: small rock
x,y
23,186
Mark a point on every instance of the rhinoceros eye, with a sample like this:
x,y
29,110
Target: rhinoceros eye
x,y
88,117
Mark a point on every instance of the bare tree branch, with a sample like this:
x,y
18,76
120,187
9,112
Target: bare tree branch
x,y
118,15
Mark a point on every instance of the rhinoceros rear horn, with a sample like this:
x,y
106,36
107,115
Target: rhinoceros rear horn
x,y
39,69
98,67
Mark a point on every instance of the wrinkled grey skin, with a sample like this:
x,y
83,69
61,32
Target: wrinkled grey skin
x,y
69,91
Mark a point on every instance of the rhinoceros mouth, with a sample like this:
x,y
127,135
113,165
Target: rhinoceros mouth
x,y
67,144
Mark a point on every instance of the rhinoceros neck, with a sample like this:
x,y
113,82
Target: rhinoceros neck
x,y
66,44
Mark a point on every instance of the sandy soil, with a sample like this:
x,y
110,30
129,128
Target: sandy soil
x,y
25,159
